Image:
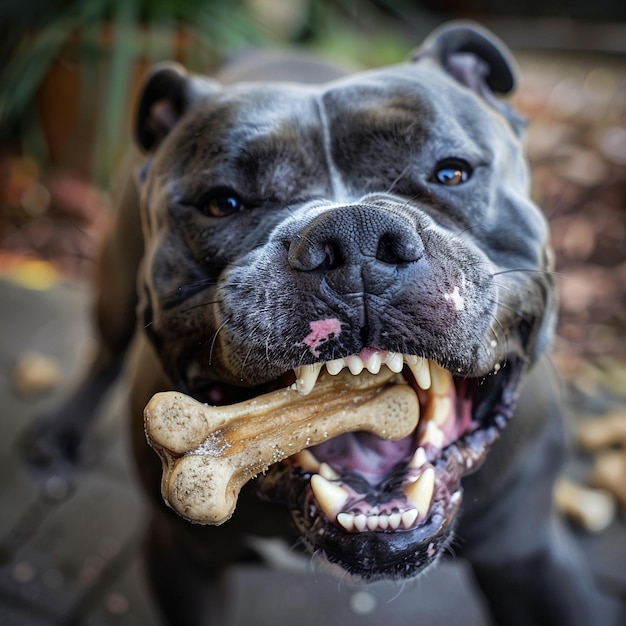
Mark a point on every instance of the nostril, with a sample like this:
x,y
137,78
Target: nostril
x,y
386,251
306,255
332,258
394,250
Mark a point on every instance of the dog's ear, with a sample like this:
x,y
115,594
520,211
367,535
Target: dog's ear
x,y
476,58
168,92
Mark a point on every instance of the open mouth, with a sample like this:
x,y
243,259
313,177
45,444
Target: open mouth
x,y
367,452
369,503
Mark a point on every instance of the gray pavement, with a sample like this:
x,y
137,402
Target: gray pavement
x,y
70,544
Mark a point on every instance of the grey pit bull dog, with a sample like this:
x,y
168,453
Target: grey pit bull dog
x,y
295,227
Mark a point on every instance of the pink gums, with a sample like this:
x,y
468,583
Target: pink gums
x,y
321,331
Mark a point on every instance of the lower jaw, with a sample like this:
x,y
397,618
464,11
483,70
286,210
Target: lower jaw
x,y
372,555
369,557
392,553
375,555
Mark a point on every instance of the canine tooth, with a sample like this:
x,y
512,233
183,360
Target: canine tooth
x,y
360,522
372,522
394,361
441,379
327,472
383,522
346,520
421,372
355,364
306,461
433,435
420,493
331,498
373,363
306,377
335,366
409,517
438,409
419,458
394,520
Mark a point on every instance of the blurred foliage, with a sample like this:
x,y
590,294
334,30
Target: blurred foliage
x,y
36,32
33,33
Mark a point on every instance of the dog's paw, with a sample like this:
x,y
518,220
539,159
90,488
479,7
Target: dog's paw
x,y
51,443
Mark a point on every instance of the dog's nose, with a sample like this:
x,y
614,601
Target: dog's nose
x,y
357,243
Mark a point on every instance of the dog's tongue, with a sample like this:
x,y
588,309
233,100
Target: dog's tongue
x,y
209,453
364,453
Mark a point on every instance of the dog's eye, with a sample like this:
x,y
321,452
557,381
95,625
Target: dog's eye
x,y
451,173
222,205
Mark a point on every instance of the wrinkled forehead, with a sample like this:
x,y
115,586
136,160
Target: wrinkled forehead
x,y
398,96
406,104
239,124
405,87
420,102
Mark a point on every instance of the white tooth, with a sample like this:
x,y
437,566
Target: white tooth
x,y
383,522
441,379
331,498
306,377
439,409
346,520
419,458
408,518
421,372
420,493
355,364
306,461
394,520
372,522
433,435
360,522
335,366
394,361
327,472
411,359
373,363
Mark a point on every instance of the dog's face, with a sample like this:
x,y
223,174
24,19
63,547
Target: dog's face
x,y
381,220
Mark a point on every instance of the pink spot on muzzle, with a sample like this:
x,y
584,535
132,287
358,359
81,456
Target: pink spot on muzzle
x,y
321,332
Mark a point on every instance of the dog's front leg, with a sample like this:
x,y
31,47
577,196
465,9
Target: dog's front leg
x,y
549,587
187,591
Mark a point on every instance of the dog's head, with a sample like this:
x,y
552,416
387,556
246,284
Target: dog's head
x,y
381,220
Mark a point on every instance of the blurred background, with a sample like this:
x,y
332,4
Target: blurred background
x,y
69,75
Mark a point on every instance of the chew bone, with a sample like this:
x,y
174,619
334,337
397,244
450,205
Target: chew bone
x,y
593,509
209,453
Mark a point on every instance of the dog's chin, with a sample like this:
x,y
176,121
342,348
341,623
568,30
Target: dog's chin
x,y
375,509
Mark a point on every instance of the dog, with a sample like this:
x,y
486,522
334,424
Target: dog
x,y
368,220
